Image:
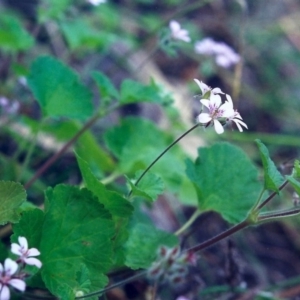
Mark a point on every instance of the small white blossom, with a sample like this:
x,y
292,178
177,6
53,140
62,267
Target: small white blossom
x,y
96,2
178,33
219,114
235,116
6,278
205,88
24,253
224,55
9,106
216,111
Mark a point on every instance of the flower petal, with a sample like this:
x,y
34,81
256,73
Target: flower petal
x,y
218,127
33,262
10,267
215,100
205,102
239,123
175,26
203,87
16,249
33,252
204,118
217,91
229,100
4,293
17,284
23,243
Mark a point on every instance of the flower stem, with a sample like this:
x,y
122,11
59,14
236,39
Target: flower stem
x,y
32,144
271,196
53,158
221,236
276,215
160,155
120,283
191,220
255,207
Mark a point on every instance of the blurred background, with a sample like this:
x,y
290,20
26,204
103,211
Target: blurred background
x,y
126,39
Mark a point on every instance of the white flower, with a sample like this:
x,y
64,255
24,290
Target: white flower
x,y
216,111
6,278
178,33
205,88
235,116
219,114
24,253
96,2
224,55
205,47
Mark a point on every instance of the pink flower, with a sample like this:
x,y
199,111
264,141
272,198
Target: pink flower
x,y
178,33
6,278
25,254
224,55
218,113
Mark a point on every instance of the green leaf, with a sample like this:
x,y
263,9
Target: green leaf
x,y
144,240
12,195
149,187
115,203
296,169
58,90
13,37
80,34
29,226
133,92
77,234
272,177
107,89
225,180
52,9
294,183
83,280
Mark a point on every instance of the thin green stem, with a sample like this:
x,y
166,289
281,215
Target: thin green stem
x,y
221,236
276,215
258,200
189,222
259,207
162,154
120,283
32,144
58,154
110,178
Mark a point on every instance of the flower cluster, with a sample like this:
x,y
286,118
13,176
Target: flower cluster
x,y
218,113
11,273
224,55
171,265
178,33
9,107
96,2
